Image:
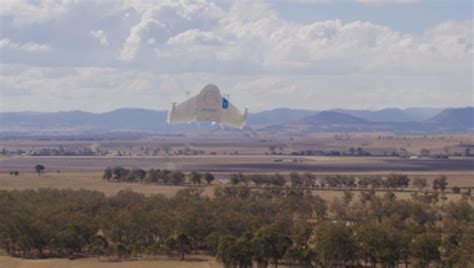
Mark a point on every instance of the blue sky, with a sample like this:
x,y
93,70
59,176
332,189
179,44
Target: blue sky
x,y
411,18
316,54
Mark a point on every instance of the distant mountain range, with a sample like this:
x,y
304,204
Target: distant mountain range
x,y
422,120
393,114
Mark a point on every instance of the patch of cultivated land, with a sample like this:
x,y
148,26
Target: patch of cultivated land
x,y
241,163
260,144
197,262
83,163
83,180
94,181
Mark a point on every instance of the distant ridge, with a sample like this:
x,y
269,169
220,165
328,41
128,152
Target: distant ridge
x,y
281,120
277,116
128,118
393,114
333,118
449,120
459,118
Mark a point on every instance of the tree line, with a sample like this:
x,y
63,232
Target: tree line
x,y
240,226
57,151
295,180
175,177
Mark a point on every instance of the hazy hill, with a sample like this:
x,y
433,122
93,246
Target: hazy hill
x,y
450,120
129,118
277,116
46,120
333,118
393,114
421,114
122,119
139,120
460,118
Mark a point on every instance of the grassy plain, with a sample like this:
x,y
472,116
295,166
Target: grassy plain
x,y
94,181
259,145
194,262
222,157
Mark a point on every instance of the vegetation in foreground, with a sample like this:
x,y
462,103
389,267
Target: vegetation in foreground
x,y
308,181
271,225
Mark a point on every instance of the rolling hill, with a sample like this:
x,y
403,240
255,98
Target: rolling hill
x,y
280,120
393,114
457,119
333,118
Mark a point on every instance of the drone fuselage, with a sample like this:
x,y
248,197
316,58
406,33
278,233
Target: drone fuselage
x,y
209,105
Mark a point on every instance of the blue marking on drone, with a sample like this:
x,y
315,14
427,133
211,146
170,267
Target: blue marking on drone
x,y
225,103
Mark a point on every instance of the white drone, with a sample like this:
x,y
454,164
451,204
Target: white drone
x,y
209,105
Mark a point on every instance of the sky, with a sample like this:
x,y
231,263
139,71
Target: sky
x,y
100,55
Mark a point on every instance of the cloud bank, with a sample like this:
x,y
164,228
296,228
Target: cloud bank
x,y
100,55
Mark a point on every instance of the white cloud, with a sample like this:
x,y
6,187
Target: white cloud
x,y
161,20
103,89
380,2
365,2
29,12
195,37
249,36
133,42
246,47
101,37
6,43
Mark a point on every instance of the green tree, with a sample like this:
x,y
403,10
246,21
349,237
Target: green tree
x,y
98,245
424,249
456,190
271,243
420,183
139,174
183,245
278,180
466,248
237,178
121,250
309,180
170,246
208,177
440,183
236,252
120,173
39,169
257,179
334,245
379,244
195,177
178,177
296,180
108,174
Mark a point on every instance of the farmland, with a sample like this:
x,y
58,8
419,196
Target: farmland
x,y
289,206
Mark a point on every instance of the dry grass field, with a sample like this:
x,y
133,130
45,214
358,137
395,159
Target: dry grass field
x,y
240,163
259,145
83,180
84,172
196,262
93,181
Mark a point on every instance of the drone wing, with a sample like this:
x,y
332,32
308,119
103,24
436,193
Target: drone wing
x,y
183,112
232,116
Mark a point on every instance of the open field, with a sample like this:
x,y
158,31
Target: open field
x,y
257,144
223,157
83,180
200,262
93,181
240,163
